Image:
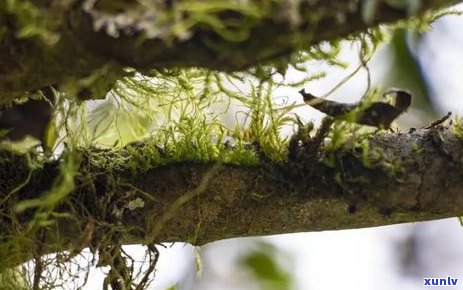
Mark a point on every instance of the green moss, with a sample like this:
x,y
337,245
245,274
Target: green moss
x,y
458,127
30,20
174,115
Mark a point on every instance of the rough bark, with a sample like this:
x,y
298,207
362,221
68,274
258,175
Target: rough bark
x,y
401,177
63,42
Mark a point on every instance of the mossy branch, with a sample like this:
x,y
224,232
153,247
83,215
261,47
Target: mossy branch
x,y
77,43
386,179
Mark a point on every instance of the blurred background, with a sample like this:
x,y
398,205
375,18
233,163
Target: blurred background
x,y
389,257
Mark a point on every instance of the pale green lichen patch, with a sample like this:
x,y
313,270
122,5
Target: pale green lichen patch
x,y
136,203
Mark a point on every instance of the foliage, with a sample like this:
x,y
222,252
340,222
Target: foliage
x,y
266,265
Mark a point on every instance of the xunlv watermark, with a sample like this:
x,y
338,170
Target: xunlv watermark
x,y
449,281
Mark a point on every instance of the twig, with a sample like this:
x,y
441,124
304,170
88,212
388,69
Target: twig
x,y
438,122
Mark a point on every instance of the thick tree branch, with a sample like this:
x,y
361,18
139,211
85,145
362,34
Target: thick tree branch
x,y
396,178
60,42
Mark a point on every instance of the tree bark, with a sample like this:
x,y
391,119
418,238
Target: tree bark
x,y
81,41
398,177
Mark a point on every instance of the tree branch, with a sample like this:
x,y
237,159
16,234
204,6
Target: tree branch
x,y
81,37
397,178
